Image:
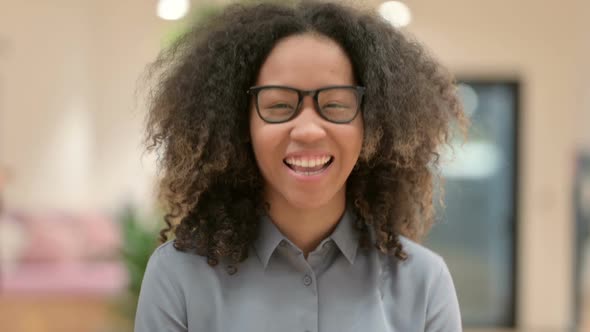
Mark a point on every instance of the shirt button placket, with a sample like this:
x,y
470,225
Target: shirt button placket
x,y
311,321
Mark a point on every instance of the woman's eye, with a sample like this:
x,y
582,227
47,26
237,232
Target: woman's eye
x,y
334,106
281,106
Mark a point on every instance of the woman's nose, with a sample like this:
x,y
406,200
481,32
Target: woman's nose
x,y
308,126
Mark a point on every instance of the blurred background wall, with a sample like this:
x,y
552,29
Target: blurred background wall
x,y
70,131
70,125
544,45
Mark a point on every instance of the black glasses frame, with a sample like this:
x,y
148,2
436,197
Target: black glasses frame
x,y
359,90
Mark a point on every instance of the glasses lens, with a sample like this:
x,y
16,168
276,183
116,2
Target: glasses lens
x,y
277,104
338,104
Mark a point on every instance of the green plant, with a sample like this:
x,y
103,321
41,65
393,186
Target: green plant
x,y
139,240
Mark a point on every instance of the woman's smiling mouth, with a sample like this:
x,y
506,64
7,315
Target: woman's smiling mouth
x,y
309,166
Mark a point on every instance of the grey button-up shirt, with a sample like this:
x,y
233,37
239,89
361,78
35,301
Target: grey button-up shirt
x,y
339,288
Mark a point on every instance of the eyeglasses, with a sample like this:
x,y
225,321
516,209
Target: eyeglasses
x,y
278,104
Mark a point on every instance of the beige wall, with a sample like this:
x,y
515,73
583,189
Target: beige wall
x,y
70,130
45,128
69,124
127,36
539,43
583,36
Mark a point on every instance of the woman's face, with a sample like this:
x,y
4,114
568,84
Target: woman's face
x,y
285,151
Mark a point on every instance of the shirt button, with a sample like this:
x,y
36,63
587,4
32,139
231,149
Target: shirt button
x,y
327,245
283,243
307,280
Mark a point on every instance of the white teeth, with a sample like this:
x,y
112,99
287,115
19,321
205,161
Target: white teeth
x,y
309,163
311,173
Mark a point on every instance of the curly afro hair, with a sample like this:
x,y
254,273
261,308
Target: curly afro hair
x,y
198,122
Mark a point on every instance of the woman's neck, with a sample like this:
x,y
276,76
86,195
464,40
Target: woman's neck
x,y
306,228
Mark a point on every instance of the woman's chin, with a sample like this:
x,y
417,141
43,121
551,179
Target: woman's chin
x,y
310,201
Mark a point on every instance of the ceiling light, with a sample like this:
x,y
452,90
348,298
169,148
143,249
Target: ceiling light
x,y
396,12
172,9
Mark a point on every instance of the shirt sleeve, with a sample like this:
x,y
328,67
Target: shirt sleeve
x,y
443,314
161,306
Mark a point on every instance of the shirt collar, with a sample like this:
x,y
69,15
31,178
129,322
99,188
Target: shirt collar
x,y
268,239
344,235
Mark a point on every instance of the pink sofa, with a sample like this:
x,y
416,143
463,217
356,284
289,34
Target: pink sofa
x,y
61,252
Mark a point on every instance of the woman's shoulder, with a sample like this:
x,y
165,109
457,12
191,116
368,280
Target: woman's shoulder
x,y
428,282
420,256
170,260
168,250
422,279
422,266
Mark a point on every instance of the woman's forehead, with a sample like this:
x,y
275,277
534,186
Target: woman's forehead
x,y
306,59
